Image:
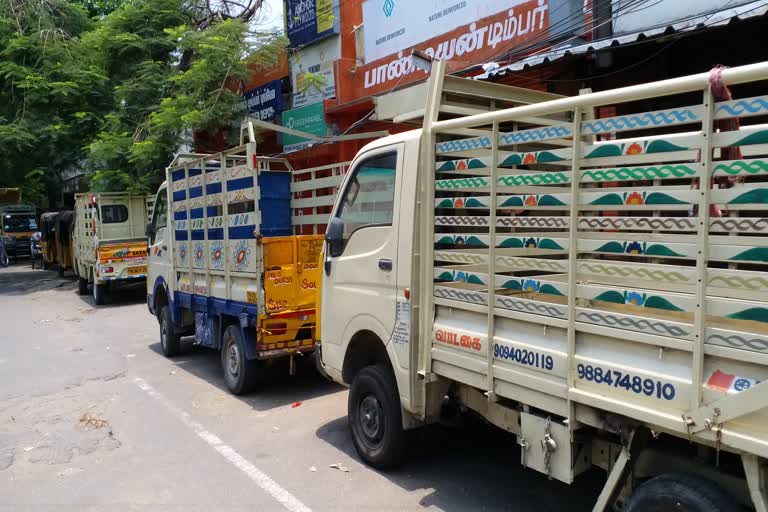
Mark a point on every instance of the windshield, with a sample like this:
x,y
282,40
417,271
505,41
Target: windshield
x,y
16,223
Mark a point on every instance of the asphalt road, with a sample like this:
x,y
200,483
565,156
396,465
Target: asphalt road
x,y
93,417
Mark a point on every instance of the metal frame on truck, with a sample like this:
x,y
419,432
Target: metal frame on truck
x,y
596,286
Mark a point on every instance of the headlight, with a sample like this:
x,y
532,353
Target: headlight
x,y
9,240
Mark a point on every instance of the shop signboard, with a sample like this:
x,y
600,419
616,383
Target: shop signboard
x,y
265,102
470,44
307,21
309,118
390,26
259,73
318,61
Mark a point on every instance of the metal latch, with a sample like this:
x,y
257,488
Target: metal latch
x,y
523,448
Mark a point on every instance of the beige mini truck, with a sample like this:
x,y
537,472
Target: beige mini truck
x,y
109,241
595,287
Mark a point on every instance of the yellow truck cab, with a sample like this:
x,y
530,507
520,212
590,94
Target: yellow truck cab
x,y
18,222
225,266
109,243
596,287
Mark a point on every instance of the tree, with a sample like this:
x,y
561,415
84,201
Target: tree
x,y
49,93
117,85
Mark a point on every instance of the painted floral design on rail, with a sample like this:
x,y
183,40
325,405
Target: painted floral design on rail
x,y
217,255
633,148
636,198
637,298
241,256
636,248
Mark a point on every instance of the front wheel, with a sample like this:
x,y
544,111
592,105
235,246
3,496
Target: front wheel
x,y
170,341
679,493
375,418
240,374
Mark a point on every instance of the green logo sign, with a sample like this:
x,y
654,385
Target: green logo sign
x,y
309,118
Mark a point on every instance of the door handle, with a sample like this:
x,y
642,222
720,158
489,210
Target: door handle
x,y
385,264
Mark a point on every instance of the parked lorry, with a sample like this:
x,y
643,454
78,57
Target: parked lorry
x,y
19,222
597,287
225,264
109,241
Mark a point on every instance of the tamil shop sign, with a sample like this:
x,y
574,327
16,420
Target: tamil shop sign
x,y
464,46
265,102
307,21
316,61
309,118
390,26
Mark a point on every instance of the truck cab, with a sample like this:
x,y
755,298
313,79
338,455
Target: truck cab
x,y
18,223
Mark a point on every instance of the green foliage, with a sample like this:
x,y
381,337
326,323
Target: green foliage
x,y
116,86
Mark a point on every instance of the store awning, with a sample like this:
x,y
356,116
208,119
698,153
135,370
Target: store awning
x,y
699,22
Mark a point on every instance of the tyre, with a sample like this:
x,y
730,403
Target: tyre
x,y
679,493
98,293
60,271
170,341
82,286
46,266
375,418
240,374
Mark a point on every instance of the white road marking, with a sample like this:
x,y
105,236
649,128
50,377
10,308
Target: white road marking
x,y
288,500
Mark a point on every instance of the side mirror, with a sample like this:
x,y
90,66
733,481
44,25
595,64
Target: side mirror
x,y
150,230
334,242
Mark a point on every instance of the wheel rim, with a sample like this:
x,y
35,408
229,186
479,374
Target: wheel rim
x,y
371,419
233,360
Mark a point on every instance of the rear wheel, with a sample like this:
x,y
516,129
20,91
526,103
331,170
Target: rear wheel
x,y
98,292
375,418
240,374
679,493
170,341
82,283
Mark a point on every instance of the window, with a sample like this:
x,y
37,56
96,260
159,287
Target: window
x,y
16,223
114,213
160,212
369,198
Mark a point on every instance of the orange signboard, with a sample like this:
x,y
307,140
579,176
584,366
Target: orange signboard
x,y
475,43
260,74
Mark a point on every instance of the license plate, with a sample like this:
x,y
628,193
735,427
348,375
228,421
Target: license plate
x,y
134,271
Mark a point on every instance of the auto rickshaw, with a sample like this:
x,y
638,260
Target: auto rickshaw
x,y
64,225
48,239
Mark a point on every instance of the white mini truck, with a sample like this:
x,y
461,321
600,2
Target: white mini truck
x,y
597,287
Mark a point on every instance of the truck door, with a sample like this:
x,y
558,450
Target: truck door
x,y
360,282
159,243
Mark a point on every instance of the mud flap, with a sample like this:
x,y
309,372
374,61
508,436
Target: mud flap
x,y
248,332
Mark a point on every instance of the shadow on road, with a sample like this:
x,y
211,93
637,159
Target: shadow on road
x,y
475,467
21,279
278,387
118,296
